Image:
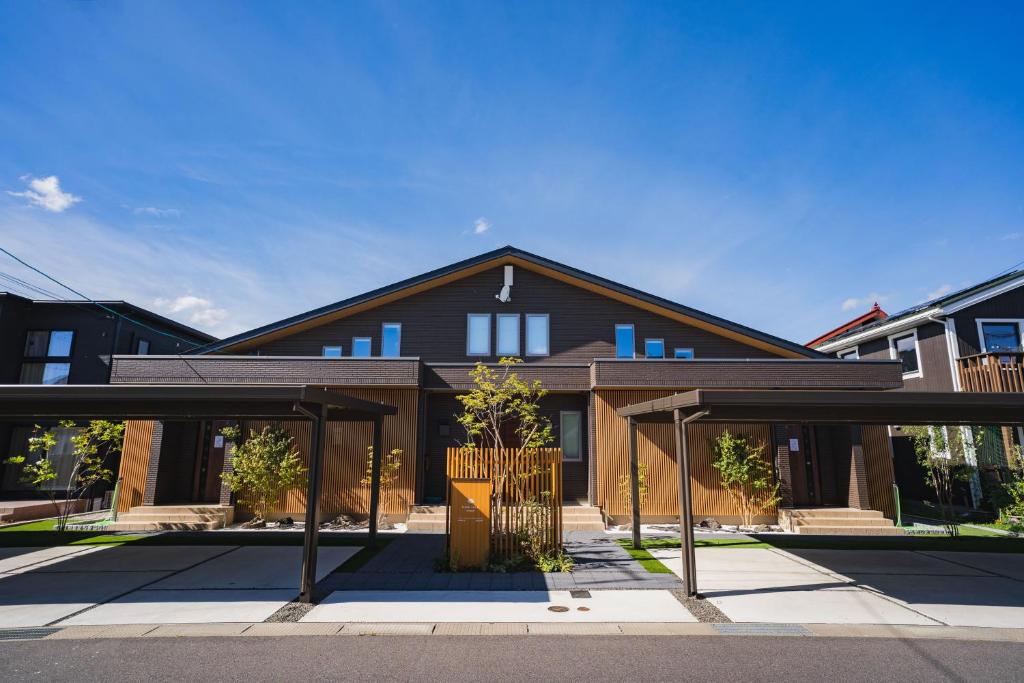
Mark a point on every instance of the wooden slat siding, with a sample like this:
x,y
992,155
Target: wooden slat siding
x,y
878,462
138,436
656,448
992,372
528,474
345,459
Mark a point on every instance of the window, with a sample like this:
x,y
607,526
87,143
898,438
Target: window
x,y
654,348
391,340
684,354
999,335
61,456
508,334
625,347
45,373
46,343
571,435
478,334
903,347
361,347
849,354
332,352
537,343
143,347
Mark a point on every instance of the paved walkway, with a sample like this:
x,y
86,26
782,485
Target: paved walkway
x,y
407,564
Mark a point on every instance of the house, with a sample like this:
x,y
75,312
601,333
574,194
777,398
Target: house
x,y
595,344
968,340
72,342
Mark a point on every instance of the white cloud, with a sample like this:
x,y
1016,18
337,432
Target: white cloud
x,y
937,292
156,211
865,302
200,311
46,193
481,225
1012,236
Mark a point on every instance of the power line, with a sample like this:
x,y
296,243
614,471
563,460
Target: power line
x,y
106,308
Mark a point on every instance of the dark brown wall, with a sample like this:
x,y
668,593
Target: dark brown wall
x,y
934,359
582,323
1008,305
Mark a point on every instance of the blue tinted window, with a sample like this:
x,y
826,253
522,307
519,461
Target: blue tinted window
x,y
56,373
686,354
332,351
537,335
60,343
625,347
654,348
361,347
391,340
478,334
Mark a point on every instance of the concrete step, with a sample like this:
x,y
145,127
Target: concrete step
x,y
850,530
120,525
842,521
158,517
811,513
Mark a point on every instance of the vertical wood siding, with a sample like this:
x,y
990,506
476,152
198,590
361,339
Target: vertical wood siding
x,y
345,459
878,463
138,436
656,448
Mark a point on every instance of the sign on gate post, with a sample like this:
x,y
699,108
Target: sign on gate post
x,y
470,527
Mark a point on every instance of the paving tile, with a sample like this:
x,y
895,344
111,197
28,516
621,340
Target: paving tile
x,y
187,607
196,630
265,567
387,629
571,629
118,631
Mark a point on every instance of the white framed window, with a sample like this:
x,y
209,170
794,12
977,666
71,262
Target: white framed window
x,y
362,347
625,341
508,334
478,334
538,338
332,351
654,348
849,354
391,340
1000,334
683,353
905,348
570,432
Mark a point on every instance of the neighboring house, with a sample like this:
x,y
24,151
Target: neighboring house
x,y
72,342
875,314
596,345
969,340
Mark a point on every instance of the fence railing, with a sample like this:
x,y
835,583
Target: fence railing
x,y
992,372
527,498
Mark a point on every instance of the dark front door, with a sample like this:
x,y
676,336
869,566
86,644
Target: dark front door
x,y
209,463
803,464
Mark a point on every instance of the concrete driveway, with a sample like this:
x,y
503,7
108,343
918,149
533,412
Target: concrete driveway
x,y
151,584
858,586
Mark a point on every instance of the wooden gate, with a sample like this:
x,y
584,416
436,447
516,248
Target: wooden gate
x,y
527,493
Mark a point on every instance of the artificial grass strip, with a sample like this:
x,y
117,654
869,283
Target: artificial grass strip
x,y
646,560
964,543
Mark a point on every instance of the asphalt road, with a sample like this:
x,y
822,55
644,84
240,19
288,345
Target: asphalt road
x,y
562,658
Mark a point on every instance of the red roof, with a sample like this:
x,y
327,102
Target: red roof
x,y
871,316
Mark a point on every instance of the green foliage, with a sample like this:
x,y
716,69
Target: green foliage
x,y
745,475
91,446
626,489
554,561
390,464
942,454
500,398
263,467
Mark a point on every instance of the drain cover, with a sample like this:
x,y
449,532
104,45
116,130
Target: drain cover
x,y
25,633
558,608
582,609
762,629
579,594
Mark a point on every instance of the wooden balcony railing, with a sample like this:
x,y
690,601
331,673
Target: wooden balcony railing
x,y
993,372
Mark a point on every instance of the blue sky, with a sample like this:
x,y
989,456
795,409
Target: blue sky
x,y
779,164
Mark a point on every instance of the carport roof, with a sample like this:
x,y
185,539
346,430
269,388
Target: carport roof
x,y
181,402
836,407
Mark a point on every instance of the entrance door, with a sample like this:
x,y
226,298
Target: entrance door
x,y
803,465
209,463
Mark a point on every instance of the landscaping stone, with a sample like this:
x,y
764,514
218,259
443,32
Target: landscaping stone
x,y
710,523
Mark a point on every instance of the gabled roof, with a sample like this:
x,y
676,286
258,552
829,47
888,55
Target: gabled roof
x,y
491,259
860,321
939,306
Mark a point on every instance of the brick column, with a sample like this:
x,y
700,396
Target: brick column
x,y
153,469
858,497
782,466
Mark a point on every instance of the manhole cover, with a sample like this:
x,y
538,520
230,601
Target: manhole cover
x,y
558,608
582,609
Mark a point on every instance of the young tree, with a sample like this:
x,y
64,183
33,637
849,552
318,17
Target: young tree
x,y
745,475
626,489
498,403
944,462
91,445
390,464
263,467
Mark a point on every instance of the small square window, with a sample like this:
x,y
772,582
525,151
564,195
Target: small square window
x,y
537,337
904,349
683,353
654,348
361,347
391,340
625,345
332,352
